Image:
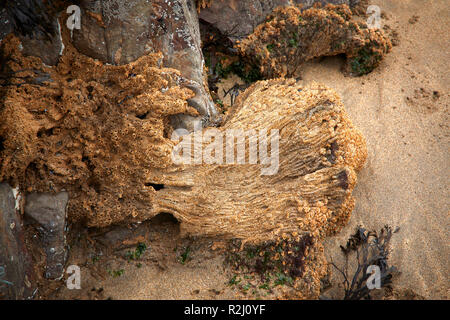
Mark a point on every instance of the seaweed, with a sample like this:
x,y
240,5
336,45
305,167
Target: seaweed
x,y
222,58
185,256
137,253
116,273
283,267
371,249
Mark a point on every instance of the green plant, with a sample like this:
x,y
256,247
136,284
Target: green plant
x,y
268,265
185,256
293,42
116,273
365,61
137,253
282,279
265,286
246,287
234,281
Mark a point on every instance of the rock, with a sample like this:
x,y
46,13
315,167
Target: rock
x,y
47,48
37,26
115,32
119,32
49,211
118,165
238,19
291,36
6,25
16,274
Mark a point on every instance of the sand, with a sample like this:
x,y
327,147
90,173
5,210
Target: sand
x,y
405,180
402,110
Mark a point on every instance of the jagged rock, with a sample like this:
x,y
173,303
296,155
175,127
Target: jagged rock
x,y
16,274
117,163
49,211
238,19
116,32
119,32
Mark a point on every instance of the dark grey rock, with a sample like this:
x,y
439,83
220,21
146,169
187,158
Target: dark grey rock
x,y
16,274
43,46
6,26
49,211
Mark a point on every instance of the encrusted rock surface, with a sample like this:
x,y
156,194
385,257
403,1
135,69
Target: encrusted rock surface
x,y
92,130
119,32
102,133
290,37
